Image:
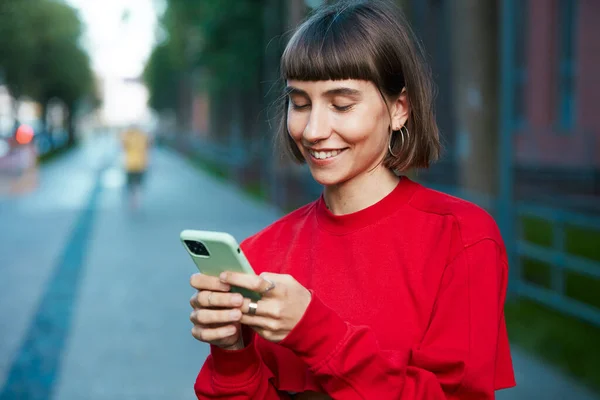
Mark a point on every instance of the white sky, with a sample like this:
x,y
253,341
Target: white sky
x,y
119,49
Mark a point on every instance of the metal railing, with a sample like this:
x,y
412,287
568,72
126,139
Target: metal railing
x,y
558,258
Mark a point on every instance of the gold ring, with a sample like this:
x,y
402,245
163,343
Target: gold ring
x,y
252,307
271,286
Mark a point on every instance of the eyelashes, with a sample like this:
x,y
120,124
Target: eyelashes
x,y
301,107
343,108
298,106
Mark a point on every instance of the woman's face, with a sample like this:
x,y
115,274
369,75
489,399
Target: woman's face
x,y
341,127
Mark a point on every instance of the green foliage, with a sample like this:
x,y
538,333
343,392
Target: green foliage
x,y
64,71
221,38
40,53
161,76
232,46
17,45
564,341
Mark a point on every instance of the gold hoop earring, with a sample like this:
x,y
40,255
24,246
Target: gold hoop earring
x,y
401,132
407,135
390,144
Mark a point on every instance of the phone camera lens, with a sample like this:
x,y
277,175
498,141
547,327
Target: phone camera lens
x,y
201,249
197,248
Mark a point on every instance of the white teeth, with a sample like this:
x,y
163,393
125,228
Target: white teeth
x,y
321,155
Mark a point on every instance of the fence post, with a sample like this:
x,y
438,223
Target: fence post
x,y
506,205
558,270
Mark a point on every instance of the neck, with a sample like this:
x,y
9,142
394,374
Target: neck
x,y
360,192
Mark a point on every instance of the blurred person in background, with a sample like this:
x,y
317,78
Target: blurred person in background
x,y
135,143
381,288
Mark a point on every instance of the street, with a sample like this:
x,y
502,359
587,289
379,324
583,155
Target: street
x,y
94,298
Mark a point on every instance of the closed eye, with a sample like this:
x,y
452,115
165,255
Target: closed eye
x,y
299,106
343,108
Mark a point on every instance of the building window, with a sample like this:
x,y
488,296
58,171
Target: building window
x,y
566,63
520,62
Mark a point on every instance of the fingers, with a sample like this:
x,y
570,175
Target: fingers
x,y
267,315
219,334
259,284
207,299
207,282
264,323
267,308
210,317
247,281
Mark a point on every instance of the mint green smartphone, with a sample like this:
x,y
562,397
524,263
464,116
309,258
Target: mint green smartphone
x,y
215,252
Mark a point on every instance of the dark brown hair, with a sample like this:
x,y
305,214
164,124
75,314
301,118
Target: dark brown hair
x,y
372,41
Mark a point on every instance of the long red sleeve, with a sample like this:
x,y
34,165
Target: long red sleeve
x,y
456,358
236,375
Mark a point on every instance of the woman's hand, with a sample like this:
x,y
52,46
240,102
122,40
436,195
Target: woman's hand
x,y
216,315
283,303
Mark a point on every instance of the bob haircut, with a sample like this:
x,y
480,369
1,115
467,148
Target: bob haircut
x,y
370,41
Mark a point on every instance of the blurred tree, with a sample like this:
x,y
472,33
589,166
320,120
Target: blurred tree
x,y
63,71
17,45
221,38
41,56
167,71
232,45
161,77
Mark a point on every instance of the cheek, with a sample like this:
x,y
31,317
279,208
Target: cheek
x,y
364,127
379,127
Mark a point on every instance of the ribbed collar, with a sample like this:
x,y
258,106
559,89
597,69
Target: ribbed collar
x,y
342,224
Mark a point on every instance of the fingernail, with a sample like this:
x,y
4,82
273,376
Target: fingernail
x,y
234,314
237,300
231,331
223,276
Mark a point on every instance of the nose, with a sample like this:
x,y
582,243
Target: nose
x,y
318,127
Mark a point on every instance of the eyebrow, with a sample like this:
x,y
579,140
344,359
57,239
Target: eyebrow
x,y
341,91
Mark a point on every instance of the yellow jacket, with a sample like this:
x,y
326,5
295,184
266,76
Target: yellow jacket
x,y
135,146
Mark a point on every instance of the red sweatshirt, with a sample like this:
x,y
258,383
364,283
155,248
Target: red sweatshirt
x,y
407,303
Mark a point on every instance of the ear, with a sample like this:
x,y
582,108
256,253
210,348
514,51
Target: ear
x,y
400,110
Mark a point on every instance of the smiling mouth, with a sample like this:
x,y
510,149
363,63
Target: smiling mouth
x,y
323,155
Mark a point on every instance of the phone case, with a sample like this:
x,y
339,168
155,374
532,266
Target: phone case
x,y
224,254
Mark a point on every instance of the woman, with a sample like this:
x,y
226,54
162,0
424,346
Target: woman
x,y
381,288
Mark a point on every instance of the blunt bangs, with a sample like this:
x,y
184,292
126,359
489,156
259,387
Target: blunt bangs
x,y
333,46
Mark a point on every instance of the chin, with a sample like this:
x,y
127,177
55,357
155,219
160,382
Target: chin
x,y
327,178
